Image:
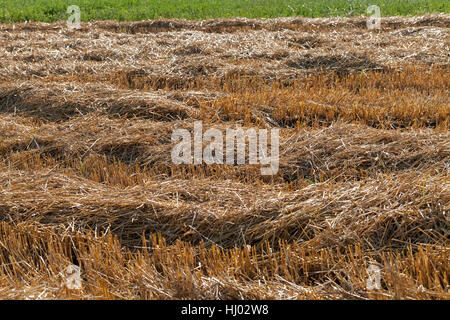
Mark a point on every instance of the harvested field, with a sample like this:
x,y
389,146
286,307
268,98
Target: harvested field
x,y
86,175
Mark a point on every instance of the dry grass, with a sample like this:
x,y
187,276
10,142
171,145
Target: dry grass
x,y
86,177
33,258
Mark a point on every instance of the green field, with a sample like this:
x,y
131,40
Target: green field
x,y
133,10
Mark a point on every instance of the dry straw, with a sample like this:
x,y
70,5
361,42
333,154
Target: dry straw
x,y
86,176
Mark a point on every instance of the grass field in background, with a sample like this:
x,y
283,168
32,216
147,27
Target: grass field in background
x,y
133,10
